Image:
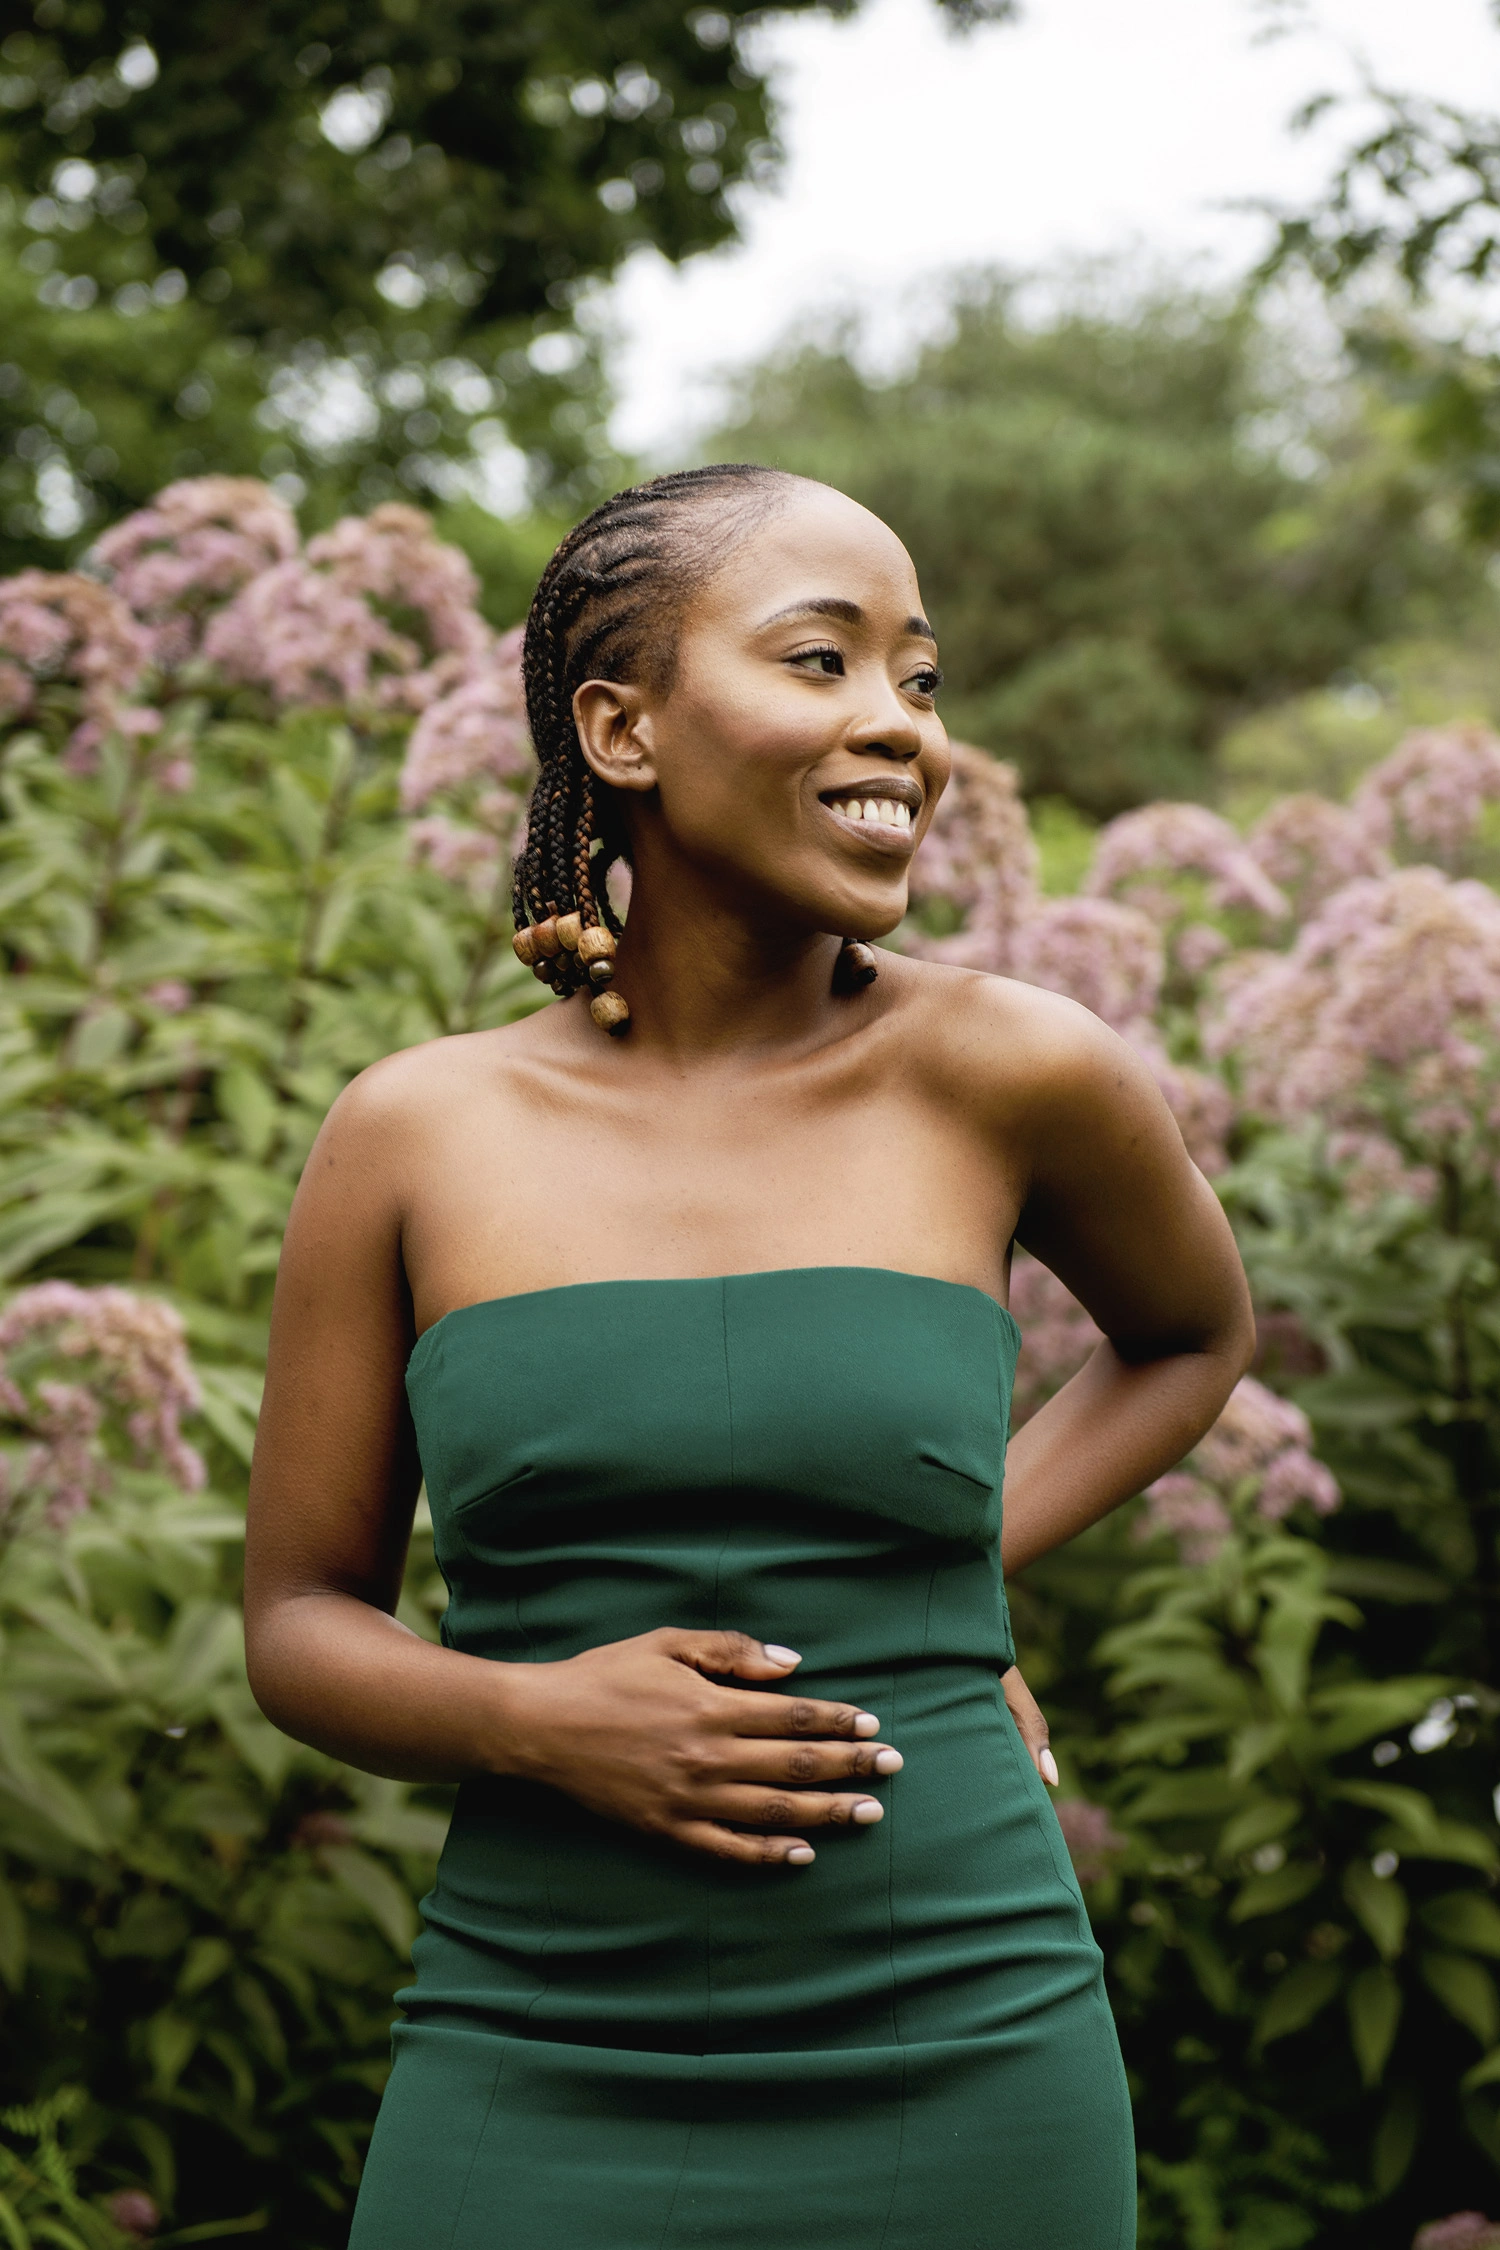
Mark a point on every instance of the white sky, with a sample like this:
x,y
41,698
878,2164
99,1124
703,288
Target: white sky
x,y
1093,126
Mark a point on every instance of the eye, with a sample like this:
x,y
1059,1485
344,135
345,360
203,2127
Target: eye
x,y
925,682
829,661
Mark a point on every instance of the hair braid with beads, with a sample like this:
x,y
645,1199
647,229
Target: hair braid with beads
x,y
608,607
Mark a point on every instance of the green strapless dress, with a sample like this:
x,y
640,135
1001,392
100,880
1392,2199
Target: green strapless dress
x,y
614,2044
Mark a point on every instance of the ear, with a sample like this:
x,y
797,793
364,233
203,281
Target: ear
x,y
614,733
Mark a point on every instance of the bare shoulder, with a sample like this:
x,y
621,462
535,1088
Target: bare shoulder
x,y
1011,1051
404,1101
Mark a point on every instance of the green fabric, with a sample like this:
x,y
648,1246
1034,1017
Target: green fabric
x,y
613,2044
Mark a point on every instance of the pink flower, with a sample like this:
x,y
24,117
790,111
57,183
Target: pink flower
x,y
191,550
1183,1508
476,731
134,2213
1134,852
978,858
137,1367
1430,793
461,855
378,612
1107,957
1396,980
1253,1429
1057,1335
171,995
1466,2230
56,626
1090,1835
1310,847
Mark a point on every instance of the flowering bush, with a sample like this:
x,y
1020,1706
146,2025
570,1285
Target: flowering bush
x,y
257,802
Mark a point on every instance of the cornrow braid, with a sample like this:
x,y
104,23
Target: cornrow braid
x,y
608,607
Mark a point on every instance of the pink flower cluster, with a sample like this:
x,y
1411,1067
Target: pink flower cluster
x,y
1428,798
978,856
1397,977
1108,957
1092,1839
1310,847
1138,854
1259,1450
58,627
1465,2230
377,612
1057,1335
190,551
135,1364
472,746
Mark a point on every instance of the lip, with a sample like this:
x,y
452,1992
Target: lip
x,y
895,843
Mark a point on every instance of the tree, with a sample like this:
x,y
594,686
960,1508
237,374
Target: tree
x,y
357,214
1131,528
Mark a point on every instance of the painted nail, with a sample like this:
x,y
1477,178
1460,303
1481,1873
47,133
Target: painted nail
x,y
868,1810
800,1854
888,1761
865,1722
1048,1765
781,1655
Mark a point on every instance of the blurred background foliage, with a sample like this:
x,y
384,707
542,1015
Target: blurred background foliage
x,y
1219,549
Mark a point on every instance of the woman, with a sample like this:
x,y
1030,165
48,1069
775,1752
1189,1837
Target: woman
x,y
755,1925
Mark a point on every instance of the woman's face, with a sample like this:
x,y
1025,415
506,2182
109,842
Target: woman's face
x,y
797,755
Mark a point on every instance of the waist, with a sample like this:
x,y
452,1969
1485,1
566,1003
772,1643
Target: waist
x,y
858,1613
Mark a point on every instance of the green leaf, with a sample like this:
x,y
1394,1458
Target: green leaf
x,y
1354,1714
1215,1977
1190,1796
1485,2073
170,2040
206,1958
1467,1919
1380,1904
12,1938
384,1899
1467,1991
1374,2004
1301,1994
15,2233
1268,1894
1259,1823
1395,2141
1412,1811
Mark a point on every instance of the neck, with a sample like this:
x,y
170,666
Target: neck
x,y
704,974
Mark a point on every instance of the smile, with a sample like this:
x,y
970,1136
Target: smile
x,y
876,815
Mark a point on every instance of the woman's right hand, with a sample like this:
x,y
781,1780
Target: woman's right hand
x,y
643,1732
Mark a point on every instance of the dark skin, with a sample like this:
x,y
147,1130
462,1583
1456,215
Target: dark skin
x,y
751,1119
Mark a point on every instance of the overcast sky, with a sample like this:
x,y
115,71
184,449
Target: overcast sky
x,y
1094,126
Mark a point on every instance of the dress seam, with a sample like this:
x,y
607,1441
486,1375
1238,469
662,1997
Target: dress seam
x,y
489,2111
890,1902
687,2146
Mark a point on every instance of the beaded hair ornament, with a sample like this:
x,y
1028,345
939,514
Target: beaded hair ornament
x,y
606,608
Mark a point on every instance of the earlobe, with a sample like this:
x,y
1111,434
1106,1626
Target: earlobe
x,y
614,733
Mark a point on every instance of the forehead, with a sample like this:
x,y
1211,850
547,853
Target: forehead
x,y
819,545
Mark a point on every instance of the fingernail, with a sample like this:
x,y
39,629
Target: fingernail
x,y
800,1854
888,1761
865,1722
868,1809
781,1655
1048,1765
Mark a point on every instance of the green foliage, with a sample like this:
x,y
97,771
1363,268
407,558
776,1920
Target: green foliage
x,y
201,1925
1298,1740
1131,529
350,219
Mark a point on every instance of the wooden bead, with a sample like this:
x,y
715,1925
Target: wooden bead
x,y
596,944
545,970
610,1013
601,973
524,943
545,938
569,931
856,966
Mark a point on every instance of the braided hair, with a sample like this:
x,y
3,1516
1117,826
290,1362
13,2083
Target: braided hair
x,y
608,607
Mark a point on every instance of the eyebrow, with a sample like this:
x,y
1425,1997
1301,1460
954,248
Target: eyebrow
x,y
847,613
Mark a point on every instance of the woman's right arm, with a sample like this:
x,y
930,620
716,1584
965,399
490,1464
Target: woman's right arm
x,y
639,1730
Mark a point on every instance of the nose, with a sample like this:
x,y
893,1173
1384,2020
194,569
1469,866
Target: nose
x,y
888,730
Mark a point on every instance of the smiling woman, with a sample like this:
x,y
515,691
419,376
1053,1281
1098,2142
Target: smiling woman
x,y
698,1338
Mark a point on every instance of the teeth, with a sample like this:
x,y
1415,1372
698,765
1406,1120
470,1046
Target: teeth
x,y
881,813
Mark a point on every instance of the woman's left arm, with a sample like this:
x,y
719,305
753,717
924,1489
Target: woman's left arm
x,y
1124,1218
